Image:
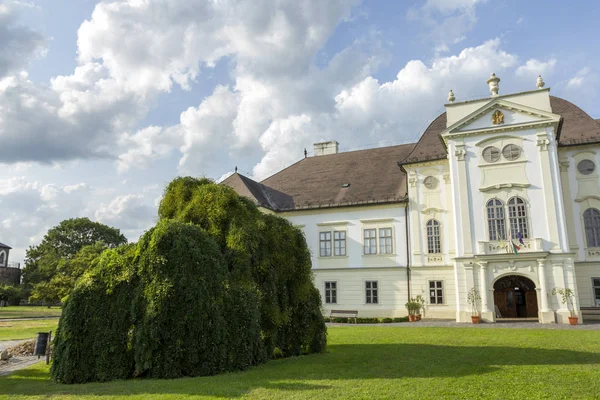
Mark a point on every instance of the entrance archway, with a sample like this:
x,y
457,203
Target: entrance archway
x,y
515,297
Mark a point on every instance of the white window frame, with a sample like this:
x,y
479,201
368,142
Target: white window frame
x,y
371,292
383,249
433,235
595,287
330,289
3,257
518,220
371,244
343,250
436,294
497,221
593,228
325,241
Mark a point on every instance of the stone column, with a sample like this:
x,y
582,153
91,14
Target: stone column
x,y
546,315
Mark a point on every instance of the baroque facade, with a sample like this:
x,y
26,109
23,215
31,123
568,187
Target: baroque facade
x,y
500,194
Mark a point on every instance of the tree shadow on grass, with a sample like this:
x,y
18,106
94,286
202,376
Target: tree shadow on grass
x,y
342,362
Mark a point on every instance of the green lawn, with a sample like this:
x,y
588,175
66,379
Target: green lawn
x,y
29,311
25,329
381,362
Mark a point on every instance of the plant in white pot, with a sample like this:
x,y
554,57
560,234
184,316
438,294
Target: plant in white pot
x,y
566,297
473,299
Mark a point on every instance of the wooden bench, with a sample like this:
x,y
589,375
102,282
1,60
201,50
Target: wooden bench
x,y
344,314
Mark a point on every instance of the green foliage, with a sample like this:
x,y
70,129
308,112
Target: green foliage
x,y
473,298
374,320
566,297
180,326
261,250
215,286
61,243
94,338
10,294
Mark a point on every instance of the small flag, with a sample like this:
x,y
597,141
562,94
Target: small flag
x,y
520,237
513,246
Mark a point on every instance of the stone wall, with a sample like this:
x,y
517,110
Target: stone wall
x,y
11,276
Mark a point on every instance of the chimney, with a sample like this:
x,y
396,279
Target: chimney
x,y
325,148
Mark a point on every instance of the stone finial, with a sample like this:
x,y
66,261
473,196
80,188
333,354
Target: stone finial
x,y
451,97
493,83
540,82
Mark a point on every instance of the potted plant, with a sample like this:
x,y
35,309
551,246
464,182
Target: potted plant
x,y
566,296
473,298
413,308
420,300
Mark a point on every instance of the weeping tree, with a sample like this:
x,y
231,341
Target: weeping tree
x,y
215,286
259,248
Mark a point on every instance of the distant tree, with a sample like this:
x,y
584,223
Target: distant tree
x,y
45,293
9,294
61,243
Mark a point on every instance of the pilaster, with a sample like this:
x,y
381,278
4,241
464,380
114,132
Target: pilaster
x,y
546,315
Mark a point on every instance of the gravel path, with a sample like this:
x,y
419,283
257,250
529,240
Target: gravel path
x,y
446,323
10,343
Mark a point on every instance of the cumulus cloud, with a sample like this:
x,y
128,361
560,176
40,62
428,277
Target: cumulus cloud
x,y
18,44
379,113
533,67
129,212
131,51
30,208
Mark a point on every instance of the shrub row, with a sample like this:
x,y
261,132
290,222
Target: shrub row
x,y
345,320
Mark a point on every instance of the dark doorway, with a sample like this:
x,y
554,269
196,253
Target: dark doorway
x,y
515,297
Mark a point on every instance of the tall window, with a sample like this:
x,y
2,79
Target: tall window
x,y
339,243
330,292
495,216
385,240
433,237
591,222
436,292
2,257
596,283
372,295
517,217
325,244
370,241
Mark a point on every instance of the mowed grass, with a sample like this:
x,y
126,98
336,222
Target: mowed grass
x,y
366,362
26,329
29,312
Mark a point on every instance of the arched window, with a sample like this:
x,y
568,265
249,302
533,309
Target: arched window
x,y
591,222
517,217
495,216
2,257
433,237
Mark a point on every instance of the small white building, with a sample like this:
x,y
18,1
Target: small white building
x,y
501,194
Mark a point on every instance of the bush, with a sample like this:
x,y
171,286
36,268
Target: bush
x,y
387,320
93,341
215,286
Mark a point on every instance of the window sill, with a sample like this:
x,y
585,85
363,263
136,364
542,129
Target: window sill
x,y
380,255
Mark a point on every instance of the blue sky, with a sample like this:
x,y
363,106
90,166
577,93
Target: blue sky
x,y
103,103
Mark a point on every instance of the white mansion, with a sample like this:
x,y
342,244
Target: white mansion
x,y
501,194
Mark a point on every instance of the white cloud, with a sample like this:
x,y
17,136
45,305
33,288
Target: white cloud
x,y
533,67
18,44
129,212
395,111
577,81
446,21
